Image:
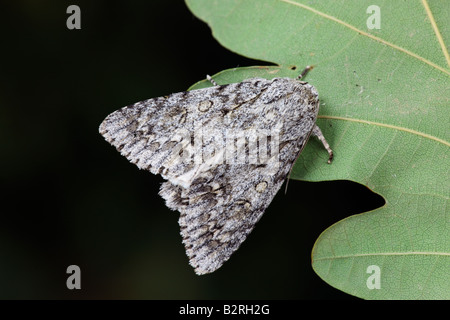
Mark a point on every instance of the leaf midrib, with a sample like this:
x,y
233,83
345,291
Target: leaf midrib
x,y
412,54
390,126
407,253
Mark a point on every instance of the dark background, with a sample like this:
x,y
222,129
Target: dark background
x,y
68,197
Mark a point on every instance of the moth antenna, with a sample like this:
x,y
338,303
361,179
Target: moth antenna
x,y
290,171
304,72
287,182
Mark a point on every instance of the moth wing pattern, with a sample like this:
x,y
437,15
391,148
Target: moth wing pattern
x,y
219,199
219,210
151,133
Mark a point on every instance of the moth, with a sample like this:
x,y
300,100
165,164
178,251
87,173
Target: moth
x,y
225,151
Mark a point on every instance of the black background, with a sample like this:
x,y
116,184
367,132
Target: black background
x,y
68,197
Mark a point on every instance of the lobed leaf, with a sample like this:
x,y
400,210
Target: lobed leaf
x,y
385,112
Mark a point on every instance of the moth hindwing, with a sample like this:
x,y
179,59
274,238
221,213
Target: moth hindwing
x,y
225,151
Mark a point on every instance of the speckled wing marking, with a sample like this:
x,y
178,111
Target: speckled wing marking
x,y
219,199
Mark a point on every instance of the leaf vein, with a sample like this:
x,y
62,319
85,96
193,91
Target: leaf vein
x,y
436,31
345,24
390,126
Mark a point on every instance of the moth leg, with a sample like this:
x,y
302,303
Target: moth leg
x,y
304,72
318,133
211,80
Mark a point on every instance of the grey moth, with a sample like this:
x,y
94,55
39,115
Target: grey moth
x,y
224,152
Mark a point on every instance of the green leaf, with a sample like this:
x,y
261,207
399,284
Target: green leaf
x,y
385,112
